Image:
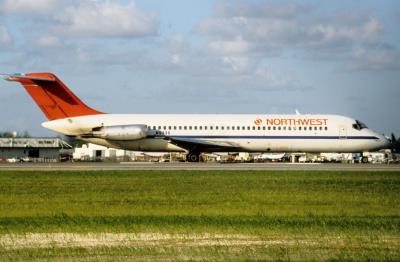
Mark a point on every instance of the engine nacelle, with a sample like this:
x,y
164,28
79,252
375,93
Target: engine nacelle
x,y
125,132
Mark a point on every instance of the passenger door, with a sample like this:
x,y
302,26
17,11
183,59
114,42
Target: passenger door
x,y
342,132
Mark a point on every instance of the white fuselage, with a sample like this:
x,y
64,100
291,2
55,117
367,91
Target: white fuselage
x,y
252,133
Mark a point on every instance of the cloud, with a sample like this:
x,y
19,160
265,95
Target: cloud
x,y
49,41
261,9
5,37
373,60
27,6
260,30
70,35
88,18
106,19
257,27
232,46
327,33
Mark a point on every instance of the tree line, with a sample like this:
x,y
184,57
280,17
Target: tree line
x,y
7,134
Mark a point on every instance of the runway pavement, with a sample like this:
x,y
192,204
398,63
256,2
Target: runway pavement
x,y
80,166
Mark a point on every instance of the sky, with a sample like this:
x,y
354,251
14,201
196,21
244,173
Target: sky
x,y
210,56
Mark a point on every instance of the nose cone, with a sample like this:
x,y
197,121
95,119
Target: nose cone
x,y
383,142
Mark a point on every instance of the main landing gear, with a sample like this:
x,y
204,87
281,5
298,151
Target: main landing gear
x,y
193,157
365,160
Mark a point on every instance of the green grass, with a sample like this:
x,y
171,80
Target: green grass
x,y
362,209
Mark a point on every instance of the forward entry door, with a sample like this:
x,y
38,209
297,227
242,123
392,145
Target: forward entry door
x,y
342,132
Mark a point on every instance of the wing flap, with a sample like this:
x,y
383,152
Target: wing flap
x,y
204,145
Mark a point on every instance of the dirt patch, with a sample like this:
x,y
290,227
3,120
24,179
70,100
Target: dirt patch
x,y
91,240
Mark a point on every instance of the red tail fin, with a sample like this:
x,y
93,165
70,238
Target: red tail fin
x,y
52,96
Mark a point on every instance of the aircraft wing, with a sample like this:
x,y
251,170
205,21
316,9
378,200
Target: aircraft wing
x,y
203,145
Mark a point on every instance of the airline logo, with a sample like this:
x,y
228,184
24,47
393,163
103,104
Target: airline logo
x,y
293,121
258,121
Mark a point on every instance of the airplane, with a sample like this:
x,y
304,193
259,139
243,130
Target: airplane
x,y
271,157
196,133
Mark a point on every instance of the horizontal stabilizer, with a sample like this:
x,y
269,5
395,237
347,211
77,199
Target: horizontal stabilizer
x,y
15,77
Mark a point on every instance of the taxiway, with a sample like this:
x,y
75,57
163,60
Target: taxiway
x,y
197,166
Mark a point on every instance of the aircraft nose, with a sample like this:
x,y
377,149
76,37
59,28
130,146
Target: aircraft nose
x,y
384,141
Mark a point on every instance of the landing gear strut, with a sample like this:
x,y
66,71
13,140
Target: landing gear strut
x,y
193,157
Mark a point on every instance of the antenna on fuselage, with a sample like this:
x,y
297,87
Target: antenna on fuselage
x,y
297,112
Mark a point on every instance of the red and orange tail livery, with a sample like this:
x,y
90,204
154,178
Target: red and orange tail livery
x,y
54,98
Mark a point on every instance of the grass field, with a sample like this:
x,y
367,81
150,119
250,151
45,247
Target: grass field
x,y
200,215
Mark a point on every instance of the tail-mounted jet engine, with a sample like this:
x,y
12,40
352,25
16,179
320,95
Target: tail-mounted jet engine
x,y
123,132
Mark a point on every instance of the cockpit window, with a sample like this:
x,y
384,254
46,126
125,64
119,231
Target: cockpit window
x,y
359,125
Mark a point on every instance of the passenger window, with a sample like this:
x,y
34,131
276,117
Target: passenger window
x,y
326,128
254,128
274,128
243,128
200,127
174,127
263,127
289,128
269,128
248,128
165,128
279,128
299,127
211,128
222,128
320,128
284,128
205,128
154,128
315,128
227,128
259,128
216,128
169,128
185,127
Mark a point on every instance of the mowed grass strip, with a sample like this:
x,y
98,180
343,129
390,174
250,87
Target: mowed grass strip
x,y
133,201
221,215
203,247
203,253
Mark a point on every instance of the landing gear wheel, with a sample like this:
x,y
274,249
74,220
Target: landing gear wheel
x,y
364,160
193,157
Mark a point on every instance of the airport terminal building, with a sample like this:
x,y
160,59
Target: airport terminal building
x,y
32,149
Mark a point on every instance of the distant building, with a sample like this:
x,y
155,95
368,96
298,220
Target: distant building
x,y
32,149
92,152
